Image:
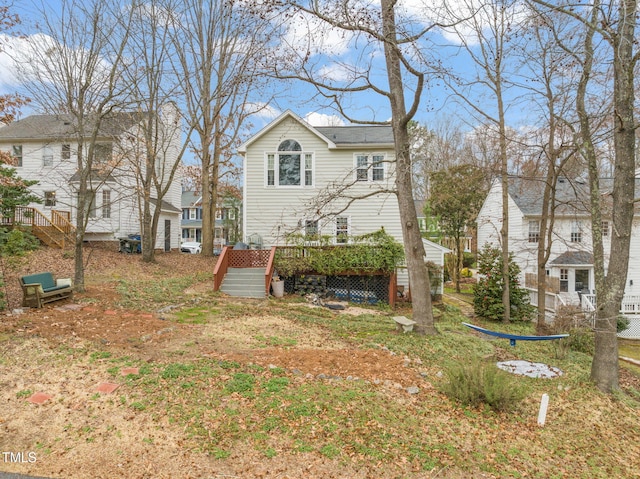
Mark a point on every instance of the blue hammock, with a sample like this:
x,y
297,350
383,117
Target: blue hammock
x,y
515,337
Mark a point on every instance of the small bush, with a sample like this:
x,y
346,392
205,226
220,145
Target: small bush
x,y
573,321
487,293
622,323
475,383
17,242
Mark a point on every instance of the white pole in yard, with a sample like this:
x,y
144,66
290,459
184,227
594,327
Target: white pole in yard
x,y
544,404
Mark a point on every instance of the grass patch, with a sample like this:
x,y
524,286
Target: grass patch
x,y
275,341
198,315
160,291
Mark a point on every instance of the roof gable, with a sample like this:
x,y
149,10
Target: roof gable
x,y
286,115
335,137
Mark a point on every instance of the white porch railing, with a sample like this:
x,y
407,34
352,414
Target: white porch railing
x,y
630,303
552,300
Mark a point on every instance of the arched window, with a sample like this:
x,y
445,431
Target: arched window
x,y
290,166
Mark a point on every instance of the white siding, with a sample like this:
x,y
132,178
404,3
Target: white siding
x,y
273,211
124,218
490,219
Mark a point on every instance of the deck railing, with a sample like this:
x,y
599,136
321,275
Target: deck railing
x,y
222,265
244,258
54,231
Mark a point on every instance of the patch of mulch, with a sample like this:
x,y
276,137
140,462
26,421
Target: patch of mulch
x,y
374,365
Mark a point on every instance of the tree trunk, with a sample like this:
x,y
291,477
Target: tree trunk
x,y
413,246
604,369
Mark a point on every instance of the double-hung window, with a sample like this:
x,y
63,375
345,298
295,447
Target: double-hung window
x,y
576,232
605,229
342,230
370,167
290,166
16,151
65,152
534,231
47,156
106,204
49,199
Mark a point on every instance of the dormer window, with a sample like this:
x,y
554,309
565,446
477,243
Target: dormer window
x,y
290,166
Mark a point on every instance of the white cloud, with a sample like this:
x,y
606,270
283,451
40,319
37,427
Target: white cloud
x,y
262,111
336,72
307,33
322,119
12,47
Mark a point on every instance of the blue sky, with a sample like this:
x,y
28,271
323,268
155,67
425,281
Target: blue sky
x,y
332,50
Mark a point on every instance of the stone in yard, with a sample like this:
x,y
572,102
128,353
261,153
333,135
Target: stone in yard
x,y
39,398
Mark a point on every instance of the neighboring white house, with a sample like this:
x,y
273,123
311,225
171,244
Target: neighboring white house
x,y
45,147
333,181
570,272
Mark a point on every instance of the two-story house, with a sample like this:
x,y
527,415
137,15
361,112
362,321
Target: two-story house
x,y
569,271
46,149
227,220
332,181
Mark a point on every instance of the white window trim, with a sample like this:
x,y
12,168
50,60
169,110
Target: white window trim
x,y
577,230
53,195
534,231
106,205
47,155
336,229
370,168
276,177
193,213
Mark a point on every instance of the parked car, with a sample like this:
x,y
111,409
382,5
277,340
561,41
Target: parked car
x,y
192,247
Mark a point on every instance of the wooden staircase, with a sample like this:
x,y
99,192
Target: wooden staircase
x,y
57,232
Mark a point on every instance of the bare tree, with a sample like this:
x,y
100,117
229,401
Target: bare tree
x,y
434,149
221,46
401,38
492,29
544,62
75,71
153,86
615,24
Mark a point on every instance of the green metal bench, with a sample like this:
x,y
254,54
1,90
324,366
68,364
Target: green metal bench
x,y
41,288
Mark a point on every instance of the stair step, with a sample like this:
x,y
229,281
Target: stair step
x,y
244,282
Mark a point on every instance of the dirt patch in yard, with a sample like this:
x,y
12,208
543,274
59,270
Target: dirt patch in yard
x,y
64,350
70,349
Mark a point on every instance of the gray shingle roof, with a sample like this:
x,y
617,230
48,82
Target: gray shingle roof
x,y
190,198
573,258
358,134
58,127
572,196
166,206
